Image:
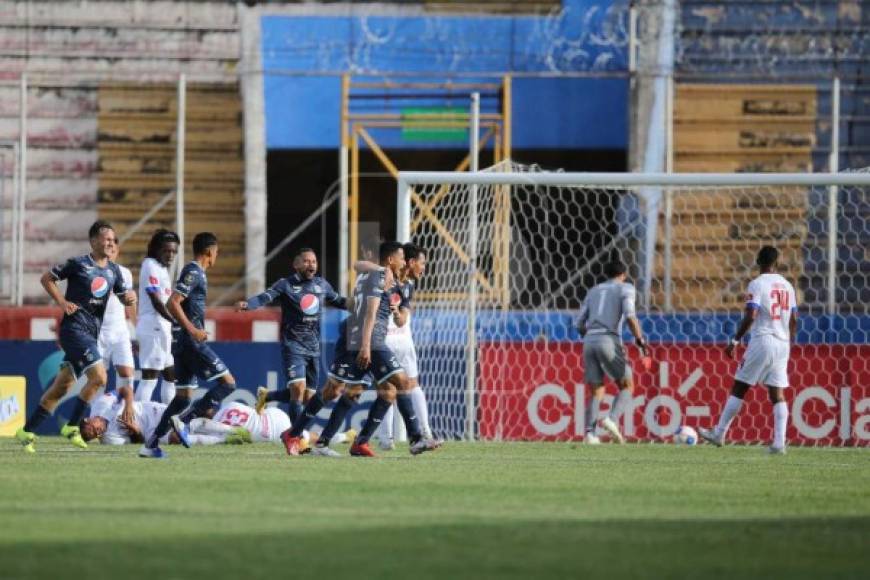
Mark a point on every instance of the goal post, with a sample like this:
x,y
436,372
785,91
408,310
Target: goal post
x,y
520,261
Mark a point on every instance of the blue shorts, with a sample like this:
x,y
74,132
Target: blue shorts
x,y
194,360
344,368
81,351
301,367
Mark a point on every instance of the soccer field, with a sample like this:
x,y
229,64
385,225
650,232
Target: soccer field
x,y
469,510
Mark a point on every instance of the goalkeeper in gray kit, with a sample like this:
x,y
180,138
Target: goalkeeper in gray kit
x,y
605,308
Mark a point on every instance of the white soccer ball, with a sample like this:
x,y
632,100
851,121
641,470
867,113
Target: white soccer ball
x,y
685,436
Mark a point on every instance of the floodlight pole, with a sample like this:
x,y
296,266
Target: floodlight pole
x,y
22,193
179,167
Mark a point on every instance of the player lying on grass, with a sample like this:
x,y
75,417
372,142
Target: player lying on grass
x,y
771,313
606,306
90,278
120,420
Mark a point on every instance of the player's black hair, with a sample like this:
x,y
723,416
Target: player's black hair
x,y
412,251
767,257
202,242
387,249
614,268
305,250
160,237
97,227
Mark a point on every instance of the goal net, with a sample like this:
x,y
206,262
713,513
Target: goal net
x,y
512,251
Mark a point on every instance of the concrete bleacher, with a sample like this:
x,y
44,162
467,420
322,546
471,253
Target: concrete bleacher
x,y
799,46
137,149
69,50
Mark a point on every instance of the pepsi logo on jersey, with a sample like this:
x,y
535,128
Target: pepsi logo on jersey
x,y
99,287
309,304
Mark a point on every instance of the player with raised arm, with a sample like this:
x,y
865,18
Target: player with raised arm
x,y
300,295
193,358
361,350
89,278
605,308
115,343
771,313
154,327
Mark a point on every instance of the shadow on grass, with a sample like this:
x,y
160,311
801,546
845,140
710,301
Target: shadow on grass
x,y
792,548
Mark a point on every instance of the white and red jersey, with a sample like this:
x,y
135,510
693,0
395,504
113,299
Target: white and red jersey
x,y
146,415
775,299
265,427
153,279
401,299
115,318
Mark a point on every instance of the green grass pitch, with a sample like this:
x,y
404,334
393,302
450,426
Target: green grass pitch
x,y
486,510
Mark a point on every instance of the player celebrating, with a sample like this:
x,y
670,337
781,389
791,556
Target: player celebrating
x,y
115,344
401,342
361,349
90,278
154,327
606,306
193,358
771,313
300,296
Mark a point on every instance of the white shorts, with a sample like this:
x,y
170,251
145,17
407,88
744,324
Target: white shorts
x,y
765,361
155,349
115,349
404,351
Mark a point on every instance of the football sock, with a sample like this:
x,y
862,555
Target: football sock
x,y
780,422
203,426
145,389
294,411
376,415
732,406
339,412
592,414
80,409
176,406
281,396
308,414
418,397
167,391
38,416
211,399
385,433
205,439
412,424
619,405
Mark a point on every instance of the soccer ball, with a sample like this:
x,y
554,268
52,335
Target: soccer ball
x,y
685,436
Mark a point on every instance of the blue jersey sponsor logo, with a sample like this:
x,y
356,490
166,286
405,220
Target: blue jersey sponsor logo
x,y
309,304
99,287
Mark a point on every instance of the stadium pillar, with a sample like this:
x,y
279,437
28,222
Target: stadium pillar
x,y
22,194
833,194
253,106
180,113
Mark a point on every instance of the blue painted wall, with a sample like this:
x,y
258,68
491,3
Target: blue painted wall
x,y
304,55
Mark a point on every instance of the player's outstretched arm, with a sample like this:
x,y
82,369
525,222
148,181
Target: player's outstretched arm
x,y
261,299
363,266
